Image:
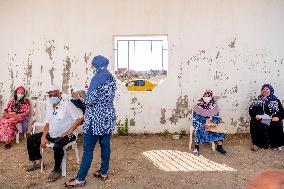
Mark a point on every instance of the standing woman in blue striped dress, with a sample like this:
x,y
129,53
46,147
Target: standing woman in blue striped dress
x,y
99,121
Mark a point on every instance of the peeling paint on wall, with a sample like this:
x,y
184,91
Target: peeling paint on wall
x,y
232,44
244,122
136,106
66,75
233,123
181,110
49,48
163,116
29,71
132,122
51,73
86,59
11,73
133,100
66,48
1,96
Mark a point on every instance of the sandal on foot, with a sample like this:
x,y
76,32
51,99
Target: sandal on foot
x,y
99,175
77,183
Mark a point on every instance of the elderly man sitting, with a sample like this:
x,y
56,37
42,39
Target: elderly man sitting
x,y
62,118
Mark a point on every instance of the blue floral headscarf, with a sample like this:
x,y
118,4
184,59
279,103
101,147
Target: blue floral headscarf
x,y
102,74
271,101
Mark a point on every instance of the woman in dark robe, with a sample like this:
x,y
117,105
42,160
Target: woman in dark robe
x,y
266,127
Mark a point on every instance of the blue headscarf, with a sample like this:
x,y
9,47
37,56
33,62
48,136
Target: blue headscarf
x,y
102,74
271,101
271,96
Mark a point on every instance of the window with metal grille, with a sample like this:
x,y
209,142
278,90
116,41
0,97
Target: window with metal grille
x,y
143,58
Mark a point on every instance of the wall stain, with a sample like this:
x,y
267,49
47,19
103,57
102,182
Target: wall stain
x,y
233,123
29,71
51,73
220,76
49,48
1,96
66,47
163,116
41,69
181,110
66,75
136,106
244,123
232,44
132,122
133,100
11,74
218,55
86,59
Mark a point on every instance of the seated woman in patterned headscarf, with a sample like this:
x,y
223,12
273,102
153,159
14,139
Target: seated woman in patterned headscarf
x,y
16,112
206,109
266,127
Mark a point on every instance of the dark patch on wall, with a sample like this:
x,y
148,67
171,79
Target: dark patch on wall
x,y
86,59
180,80
133,100
244,123
163,116
66,74
66,48
136,106
1,96
49,48
218,55
11,74
232,44
51,73
233,123
41,69
181,110
220,76
29,71
132,122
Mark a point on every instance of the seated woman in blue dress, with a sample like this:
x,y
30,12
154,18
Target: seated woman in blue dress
x,y
206,109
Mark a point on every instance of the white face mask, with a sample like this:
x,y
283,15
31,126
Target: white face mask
x,y
207,99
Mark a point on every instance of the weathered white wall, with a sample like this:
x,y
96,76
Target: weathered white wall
x,y
231,47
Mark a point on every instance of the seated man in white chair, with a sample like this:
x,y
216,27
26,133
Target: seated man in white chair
x,y
62,118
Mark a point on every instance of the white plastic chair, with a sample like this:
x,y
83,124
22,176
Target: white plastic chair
x,y
19,127
63,164
50,145
191,131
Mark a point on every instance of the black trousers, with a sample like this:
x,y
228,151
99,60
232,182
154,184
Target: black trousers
x,y
33,146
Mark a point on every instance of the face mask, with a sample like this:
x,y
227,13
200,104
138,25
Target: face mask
x,y
20,96
207,99
54,100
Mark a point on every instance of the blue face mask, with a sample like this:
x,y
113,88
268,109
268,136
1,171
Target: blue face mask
x,y
54,100
20,96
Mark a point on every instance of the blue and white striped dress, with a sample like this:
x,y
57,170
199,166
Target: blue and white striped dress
x,y
100,113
